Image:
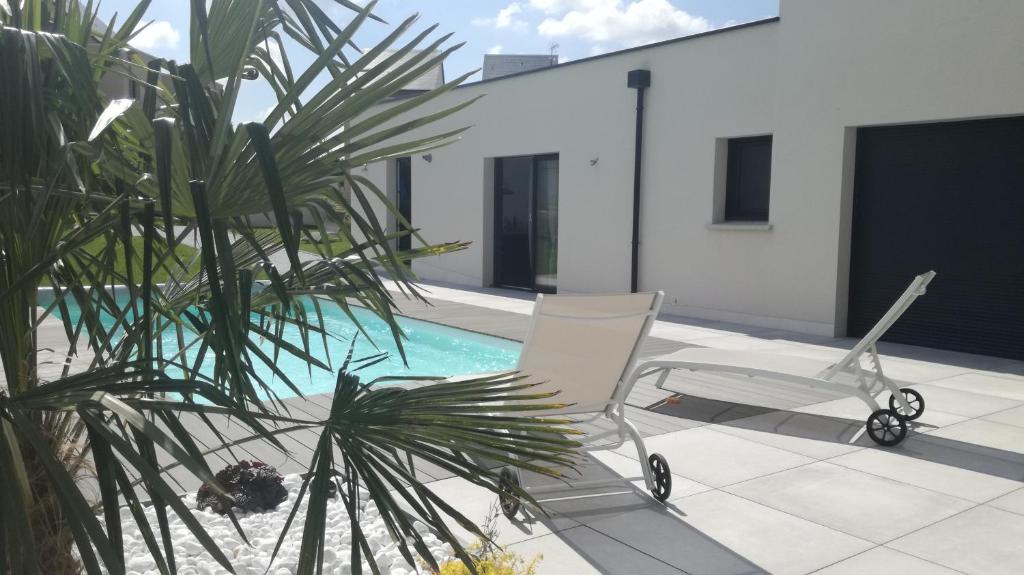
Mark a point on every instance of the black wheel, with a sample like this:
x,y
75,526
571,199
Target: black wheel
x,y
913,398
661,475
507,498
886,428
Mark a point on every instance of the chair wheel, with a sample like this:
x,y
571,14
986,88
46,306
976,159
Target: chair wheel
x,y
913,398
508,483
661,475
886,428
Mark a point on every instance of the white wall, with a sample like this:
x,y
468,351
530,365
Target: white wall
x,y
809,79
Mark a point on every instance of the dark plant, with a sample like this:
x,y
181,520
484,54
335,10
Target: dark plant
x,y
173,168
252,485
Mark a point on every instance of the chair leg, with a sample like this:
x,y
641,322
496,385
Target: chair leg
x,y
661,378
641,450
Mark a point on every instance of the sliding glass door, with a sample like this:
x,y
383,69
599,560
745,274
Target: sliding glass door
x,y
404,193
526,222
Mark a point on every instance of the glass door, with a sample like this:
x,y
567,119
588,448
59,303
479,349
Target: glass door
x,y
545,227
526,222
404,194
513,214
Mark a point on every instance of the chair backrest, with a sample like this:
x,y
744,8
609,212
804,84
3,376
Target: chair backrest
x,y
583,345
916,289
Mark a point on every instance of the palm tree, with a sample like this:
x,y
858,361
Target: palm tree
x,y
174,169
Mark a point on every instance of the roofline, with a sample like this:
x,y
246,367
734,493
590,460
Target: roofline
x,y
771,20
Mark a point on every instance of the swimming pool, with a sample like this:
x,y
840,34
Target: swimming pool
x,y
431,350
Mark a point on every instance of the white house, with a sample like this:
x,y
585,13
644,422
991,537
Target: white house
x,y
797,172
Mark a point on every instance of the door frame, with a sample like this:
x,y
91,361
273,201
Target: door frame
x,y
532,211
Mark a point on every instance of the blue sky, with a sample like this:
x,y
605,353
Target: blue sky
x,y
579,28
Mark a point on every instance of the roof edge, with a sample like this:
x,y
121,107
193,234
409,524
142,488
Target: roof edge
x,y
751,24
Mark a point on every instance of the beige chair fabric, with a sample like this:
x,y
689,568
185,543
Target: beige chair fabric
x,y
583,346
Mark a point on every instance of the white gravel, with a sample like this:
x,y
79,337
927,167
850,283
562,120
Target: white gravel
x,y
263,529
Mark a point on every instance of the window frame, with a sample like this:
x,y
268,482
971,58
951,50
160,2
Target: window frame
x,y
734,210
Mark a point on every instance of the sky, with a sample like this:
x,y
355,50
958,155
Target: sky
x,y
573,29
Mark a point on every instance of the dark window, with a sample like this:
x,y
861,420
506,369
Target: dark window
x,y
749,179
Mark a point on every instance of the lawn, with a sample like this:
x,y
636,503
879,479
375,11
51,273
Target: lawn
x,y
97,245
337,246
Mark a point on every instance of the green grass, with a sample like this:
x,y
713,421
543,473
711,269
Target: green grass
x,y
337,246
96,247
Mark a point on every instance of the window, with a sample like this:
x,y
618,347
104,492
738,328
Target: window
x,y
748,179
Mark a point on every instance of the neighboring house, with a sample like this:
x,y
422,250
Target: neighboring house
x,y
498,65
797,173
432,78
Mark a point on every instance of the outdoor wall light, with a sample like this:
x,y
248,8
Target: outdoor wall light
x,y
428,158
594,161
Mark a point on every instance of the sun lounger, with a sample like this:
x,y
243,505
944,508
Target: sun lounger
x,y
858,374
584,347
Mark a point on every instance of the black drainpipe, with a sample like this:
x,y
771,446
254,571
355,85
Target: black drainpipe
x,y
639,79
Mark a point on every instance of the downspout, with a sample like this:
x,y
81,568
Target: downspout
x,y
640,80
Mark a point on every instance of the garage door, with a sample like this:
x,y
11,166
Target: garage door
x,y
947,197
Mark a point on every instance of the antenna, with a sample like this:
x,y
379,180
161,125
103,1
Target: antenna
x,y
553,52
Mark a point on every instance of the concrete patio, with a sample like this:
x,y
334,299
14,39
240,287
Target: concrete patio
x,y
766,478
782,480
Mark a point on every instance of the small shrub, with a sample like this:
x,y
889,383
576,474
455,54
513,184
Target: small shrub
x,y
490,559
254,485
495,562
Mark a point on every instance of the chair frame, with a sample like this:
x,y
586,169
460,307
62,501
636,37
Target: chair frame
x,y
615,409
870,381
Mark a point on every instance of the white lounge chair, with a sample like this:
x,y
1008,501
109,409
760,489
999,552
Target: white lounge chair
x,y
885,426
585,347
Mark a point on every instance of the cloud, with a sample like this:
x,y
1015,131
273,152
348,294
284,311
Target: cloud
x,y
496,49
629,23
158,34
506,18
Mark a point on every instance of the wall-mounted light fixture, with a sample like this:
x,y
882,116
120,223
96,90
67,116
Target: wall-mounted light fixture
x,y
594,161
428,158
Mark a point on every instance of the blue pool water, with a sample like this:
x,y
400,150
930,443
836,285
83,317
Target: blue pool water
x,y
431,350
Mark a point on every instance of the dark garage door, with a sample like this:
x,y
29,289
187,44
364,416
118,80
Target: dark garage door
x,y
948,197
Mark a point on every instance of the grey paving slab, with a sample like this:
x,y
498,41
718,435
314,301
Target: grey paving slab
x,y
658,531
983,540
812,435
952,480
857,503
583,551
777,541
885,559
1012,416
718,459
1010,502
1000,436
988,384
966,403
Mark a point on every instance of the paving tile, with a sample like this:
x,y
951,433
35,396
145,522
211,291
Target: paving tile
x,y
902,465
626,467
581,551
715,458
1010,502
815,436
999,386
763,535
854,409
995,463
477,503
887,560
983,540
857,503
960,402
662,531
1013,416
1006,438
914,371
